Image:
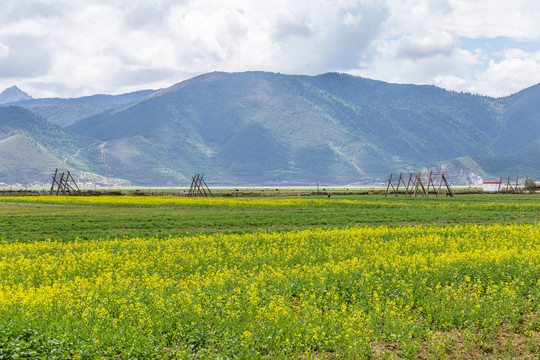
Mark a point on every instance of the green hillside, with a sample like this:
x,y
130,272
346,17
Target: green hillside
x,y
522,120
266,128
31,148
24,158
65,115
260,127
64,112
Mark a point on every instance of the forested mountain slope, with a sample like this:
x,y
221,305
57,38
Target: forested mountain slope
x,y
267,128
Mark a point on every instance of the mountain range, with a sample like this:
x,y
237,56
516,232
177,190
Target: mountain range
x,y
266,128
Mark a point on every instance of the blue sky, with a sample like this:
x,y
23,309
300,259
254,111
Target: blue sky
x,y
72,48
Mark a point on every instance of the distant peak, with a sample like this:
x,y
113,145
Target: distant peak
x,y
13,94
13,89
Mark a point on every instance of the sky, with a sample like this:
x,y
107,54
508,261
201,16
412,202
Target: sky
x,y
70,48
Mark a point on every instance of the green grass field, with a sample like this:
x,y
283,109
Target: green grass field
x,y
299,277
29,221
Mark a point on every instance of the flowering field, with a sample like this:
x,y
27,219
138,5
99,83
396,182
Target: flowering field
x,y
320,289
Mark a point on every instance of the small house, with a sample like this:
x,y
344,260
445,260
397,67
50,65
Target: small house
x,y
492,186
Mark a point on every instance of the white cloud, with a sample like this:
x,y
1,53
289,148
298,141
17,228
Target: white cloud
x,y
422,45
71,48
104,46
4,50
23,56
432,43
494,18
451,82
441,69
518,70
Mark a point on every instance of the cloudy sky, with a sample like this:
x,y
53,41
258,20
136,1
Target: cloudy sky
x,y
72,48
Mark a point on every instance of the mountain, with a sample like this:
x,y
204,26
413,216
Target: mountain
x,y
64,112
13,94
31,148
260,127
522,115
99,99
267,128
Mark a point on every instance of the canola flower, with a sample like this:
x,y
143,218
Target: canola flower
x,y
318,291
255,202
270,202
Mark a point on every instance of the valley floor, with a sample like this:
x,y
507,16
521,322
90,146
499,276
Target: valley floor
x,y
288,277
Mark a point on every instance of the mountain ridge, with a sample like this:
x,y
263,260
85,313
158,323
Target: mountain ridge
x,y
266,128
65,111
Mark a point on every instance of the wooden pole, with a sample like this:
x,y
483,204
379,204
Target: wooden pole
x,y
190,193
207,188
416,183
422,184
428,182
73,180
53,181
202,191
398,183
409,183
406,188
447,186
433,184
440,185
388,186
60,184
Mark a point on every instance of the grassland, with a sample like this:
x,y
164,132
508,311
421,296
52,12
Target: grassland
x,y
65,219
317,277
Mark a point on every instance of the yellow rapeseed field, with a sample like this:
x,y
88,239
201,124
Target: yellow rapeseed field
x,y
194,201
270,202
338,293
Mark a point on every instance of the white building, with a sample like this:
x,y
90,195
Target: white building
x,y
492,186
